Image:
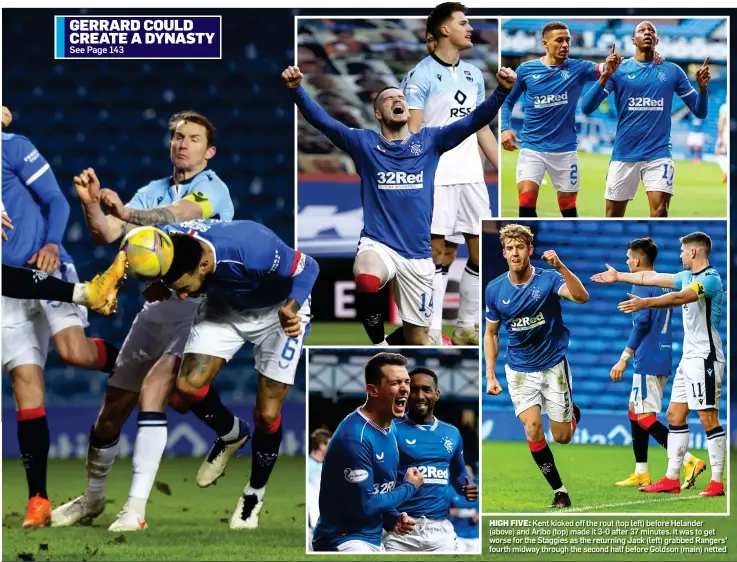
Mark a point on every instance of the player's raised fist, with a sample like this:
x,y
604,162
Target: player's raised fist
x,y
87,186
493,387
405,524
703,75
608,276
292,76
414,477
509,139
552,259
114,205
506,77
7,117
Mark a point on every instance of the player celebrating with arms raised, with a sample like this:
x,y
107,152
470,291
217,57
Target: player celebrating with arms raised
x,y
698,382
650,344
527,301
643,93
397,169
359,476
436,449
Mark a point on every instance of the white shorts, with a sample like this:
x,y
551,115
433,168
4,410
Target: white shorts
x,y
647,393
149,338
469,546
28,324
359,546
428,536
550,389
413,290
222,334
698,383
562,167
459,208
623,178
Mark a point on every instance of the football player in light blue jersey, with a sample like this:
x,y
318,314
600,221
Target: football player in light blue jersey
x,y
436,449
359,484
650,345
643,92
527,301
319,440
698,381
149,358
443,88
397,170
551,86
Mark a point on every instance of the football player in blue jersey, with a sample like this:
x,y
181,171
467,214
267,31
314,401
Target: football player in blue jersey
x,y
643,93
650,345
39,211
527,301
397,170
436,449
359,486
146,368
698,381
257,291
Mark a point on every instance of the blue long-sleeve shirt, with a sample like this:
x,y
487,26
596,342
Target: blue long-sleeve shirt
x,y
643,95
398,177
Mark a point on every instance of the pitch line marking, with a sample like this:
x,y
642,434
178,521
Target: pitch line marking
x,y
608,505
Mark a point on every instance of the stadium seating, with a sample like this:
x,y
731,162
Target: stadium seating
x,y
598,331
112,115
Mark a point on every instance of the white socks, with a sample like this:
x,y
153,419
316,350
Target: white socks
x,y
716,444
468,306
99,463
439,284
677,446
147,453
640,467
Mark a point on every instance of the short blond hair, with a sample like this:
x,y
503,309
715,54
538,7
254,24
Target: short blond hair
x,y
516,232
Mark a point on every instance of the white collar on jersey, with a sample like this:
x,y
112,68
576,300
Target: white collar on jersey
x,y
423,426
391,142
517,285
194,234
373,424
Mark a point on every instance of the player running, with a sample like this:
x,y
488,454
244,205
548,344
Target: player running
x,y
698,382
39,211
551,86
527,301
359,476
442,89
436,449
257,291
146,368
643,94
397,169
650,344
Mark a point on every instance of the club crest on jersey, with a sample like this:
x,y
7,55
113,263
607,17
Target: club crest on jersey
x,y
468,75
565,73
415,148
536,293
661,76
448,443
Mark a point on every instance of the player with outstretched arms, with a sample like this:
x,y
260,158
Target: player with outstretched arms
x,y
436,449
359,475
698,381
650,345
441,89
643,94
551,87
527,301
146,368
397,170
257,291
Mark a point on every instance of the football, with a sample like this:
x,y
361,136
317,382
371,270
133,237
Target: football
x,y
150,252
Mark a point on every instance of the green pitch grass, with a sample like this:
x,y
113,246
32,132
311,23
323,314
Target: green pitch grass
x,y
699,190
512,482
185,522
348,333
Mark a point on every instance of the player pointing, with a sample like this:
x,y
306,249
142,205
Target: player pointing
x,y
527,301
397,169
643,92
698,381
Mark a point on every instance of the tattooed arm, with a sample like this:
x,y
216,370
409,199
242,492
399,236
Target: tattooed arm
x,y
183,210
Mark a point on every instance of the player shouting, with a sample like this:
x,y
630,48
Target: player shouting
x,y
698,382
643,94
397,169
436,449
359,475
527,301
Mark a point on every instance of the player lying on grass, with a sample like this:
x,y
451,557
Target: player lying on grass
x,y
698,382
650,344
358,485
397,169
436,449
643,95
527,301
